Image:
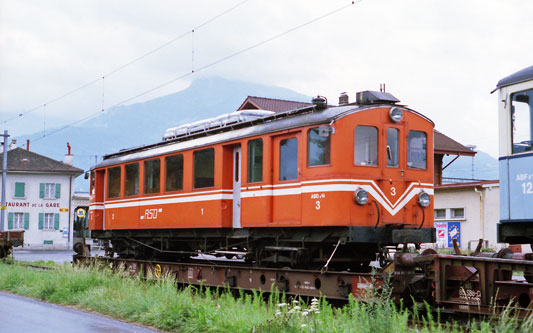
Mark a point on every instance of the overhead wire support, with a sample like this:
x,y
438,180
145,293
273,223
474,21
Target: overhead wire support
x,y
206,66
68,93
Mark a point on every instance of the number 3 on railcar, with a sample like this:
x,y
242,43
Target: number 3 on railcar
x,y
515,117
297,188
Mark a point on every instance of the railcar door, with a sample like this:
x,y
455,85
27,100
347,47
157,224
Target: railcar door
x,y
392,182
286,191
237,187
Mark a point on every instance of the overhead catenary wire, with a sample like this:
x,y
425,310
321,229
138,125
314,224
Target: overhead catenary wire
x,y
194,71
121,67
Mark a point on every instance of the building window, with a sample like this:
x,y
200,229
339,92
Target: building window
x,y
255,160
131,179
366,145
19,190
318,146
49,221
288,159
204,168
18,220
50,191
522,121
457,213
174,173
392,147
152,178
416,150
113,182
440,213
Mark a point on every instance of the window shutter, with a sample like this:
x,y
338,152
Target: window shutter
x,y
19,190
10,221
41,218
41,191
56,221
26,221
58,191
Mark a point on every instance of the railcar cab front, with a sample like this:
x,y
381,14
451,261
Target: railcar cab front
x,y
515,118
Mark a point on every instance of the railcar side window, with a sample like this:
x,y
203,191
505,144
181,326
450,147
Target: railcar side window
x,y
255,160
131,179
288,159
392,147
318,147
152,178
366,145
92,182
204,168
113,182
522,121
174,173
416,150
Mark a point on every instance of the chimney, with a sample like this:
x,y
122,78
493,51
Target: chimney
x,y
13,144
69,158
28,145
343,98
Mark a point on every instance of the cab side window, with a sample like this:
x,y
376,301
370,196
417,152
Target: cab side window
x,y
417,150
366,145
174,173
131,181
392,147
152,170
522,121
113,182
204,168
318,146
288,159
255,160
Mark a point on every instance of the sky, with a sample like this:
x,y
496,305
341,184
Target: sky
x,y
63,60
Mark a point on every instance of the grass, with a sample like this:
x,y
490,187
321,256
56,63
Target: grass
x,y
160,304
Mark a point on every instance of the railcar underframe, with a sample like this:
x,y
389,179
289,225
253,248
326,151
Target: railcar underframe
x,y
304,247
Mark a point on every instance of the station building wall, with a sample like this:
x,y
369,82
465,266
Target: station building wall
x,y
40,204
472,210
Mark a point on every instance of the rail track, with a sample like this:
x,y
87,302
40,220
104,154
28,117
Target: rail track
x,y
481,284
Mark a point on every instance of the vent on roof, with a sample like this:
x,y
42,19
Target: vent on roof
x,y
320,102
343,98
375,97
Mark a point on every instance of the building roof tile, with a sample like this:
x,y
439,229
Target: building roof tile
x,y
447,145
19,159
270,104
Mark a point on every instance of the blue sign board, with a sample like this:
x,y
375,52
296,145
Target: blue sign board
x,y
454,232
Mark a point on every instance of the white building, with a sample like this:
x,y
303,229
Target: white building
x,y
468,212
39,193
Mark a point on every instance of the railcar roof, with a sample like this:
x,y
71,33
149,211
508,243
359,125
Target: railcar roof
x,y
525,74
306,116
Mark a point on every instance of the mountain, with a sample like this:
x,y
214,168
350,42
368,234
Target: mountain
x,y
485,167
144,123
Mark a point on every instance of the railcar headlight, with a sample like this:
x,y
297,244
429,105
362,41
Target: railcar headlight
x,y
396,114
361,197
424,199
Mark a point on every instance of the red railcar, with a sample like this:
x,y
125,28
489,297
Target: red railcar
x,y
277,188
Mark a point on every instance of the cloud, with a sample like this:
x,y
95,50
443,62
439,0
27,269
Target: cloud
x,y
440,57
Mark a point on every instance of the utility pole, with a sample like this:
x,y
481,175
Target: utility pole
x,y
4,176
